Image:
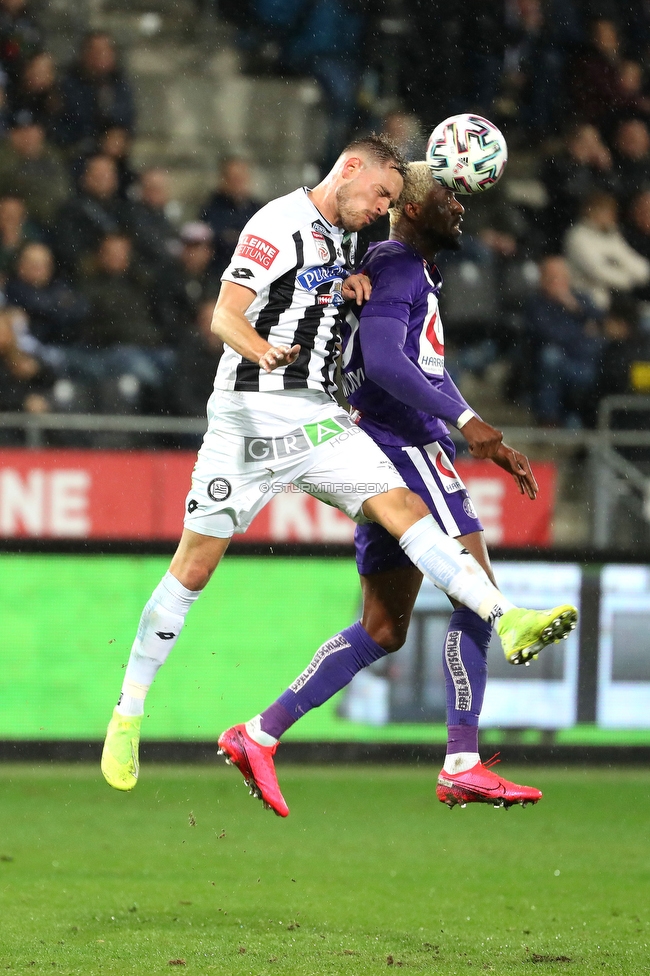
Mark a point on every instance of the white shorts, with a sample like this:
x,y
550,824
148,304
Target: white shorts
x,y
257,443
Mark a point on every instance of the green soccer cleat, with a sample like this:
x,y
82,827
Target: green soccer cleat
x,y
524,633
120,763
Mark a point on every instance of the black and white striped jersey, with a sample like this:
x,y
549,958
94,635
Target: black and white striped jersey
x,y
295,261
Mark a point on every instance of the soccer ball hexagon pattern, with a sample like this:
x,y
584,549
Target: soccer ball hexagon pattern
x,y
466,153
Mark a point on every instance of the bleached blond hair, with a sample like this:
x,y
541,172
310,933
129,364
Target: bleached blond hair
x,y
418,182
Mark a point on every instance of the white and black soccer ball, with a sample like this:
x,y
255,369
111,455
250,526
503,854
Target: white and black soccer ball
x,y
466,153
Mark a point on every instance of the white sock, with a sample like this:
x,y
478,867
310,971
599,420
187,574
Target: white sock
x,y
453,569
459,762
160,624
257,734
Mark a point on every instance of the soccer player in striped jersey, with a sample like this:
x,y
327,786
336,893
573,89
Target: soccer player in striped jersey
x,y
272,421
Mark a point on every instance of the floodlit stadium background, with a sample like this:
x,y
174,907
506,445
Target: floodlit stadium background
x,y
91,488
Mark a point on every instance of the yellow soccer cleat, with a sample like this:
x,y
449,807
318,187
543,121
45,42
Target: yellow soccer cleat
x,y
524,633
120,763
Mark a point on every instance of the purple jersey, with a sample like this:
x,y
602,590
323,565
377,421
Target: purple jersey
x,y
398,340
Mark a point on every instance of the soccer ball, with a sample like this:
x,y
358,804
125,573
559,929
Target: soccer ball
x,y
466,153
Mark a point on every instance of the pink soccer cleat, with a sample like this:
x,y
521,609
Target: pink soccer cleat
x,y
480,785
255,763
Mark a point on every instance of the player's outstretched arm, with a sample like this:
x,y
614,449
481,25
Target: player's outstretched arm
x,y
518,465
229,322
486,441
483,439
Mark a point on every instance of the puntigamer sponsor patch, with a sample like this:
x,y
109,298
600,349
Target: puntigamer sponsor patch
x,y
313,277
256,249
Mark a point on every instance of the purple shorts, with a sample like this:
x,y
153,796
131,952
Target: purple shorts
x,y
429,472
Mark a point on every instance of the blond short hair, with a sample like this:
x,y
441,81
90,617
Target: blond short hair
x,y
418,183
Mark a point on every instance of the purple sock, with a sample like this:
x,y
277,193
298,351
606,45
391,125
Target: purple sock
x,y
333,667
465,667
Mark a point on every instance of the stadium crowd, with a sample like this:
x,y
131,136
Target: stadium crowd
x,y
106,300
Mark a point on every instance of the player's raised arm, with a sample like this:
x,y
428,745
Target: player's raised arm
x,y
230,324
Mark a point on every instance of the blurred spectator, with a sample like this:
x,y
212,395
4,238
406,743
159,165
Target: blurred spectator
x,y
85,220
36,91
625,366
16,229
599,257
20,36
229,208
119,305
31,169
583,165
154,236
192,281
594,87
456,51
321,40
25,383
403,129
121,348
632,158
534,65
636,231
634,100
53,309
637,226
96,95
115,143
563,327
198,357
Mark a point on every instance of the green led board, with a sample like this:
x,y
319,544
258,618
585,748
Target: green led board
x,y
68,621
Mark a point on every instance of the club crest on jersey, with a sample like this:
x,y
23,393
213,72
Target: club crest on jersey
x,y
431,356
219,489
333,296
468,508
256,249
321,245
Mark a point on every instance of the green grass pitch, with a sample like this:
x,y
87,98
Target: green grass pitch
x,y
369,874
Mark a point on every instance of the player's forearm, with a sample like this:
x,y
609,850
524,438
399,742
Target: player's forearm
x,y
235,330
389,367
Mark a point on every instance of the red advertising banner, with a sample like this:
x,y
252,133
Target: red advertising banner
x,y
139,495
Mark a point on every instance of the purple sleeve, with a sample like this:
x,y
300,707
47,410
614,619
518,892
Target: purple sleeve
x,y
382,345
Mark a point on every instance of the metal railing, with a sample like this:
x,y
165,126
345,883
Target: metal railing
x,y
612,475
36,424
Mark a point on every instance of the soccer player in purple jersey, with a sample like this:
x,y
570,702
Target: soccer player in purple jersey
x,y
394,375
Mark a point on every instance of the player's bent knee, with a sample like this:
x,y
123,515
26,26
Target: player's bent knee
x,y
196,559
389,635
396,510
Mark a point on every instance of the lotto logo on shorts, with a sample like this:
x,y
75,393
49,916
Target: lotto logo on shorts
x,y
256,249
219,489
